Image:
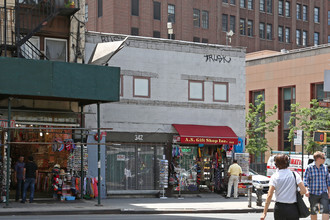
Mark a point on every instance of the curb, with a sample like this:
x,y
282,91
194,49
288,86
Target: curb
x,y
127,211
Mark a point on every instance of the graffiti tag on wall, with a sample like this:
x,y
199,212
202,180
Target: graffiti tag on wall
x,y
217,58
109,38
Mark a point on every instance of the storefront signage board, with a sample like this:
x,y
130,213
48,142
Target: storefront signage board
x,y
201,140
4,123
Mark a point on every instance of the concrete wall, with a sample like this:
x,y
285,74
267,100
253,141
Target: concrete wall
x,y
170,64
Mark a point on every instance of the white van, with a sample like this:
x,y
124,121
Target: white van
x,y
295,163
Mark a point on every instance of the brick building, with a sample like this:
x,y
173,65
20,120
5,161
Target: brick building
x,y
257,24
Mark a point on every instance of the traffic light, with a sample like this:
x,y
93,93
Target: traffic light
x,y
322,137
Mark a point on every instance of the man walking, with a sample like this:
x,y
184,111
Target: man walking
x,y
30,175
318,184
235,175
18,178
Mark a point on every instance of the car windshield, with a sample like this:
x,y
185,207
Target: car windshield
x,y
253,172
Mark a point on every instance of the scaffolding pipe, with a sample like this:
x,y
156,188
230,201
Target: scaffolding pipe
x,y
8,152
81,153
98,154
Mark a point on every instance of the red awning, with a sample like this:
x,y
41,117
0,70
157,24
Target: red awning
x,y
203,134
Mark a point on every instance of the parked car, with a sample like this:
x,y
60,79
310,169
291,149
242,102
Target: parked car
x,y
259,180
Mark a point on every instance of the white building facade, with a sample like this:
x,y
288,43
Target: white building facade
x,y
169,88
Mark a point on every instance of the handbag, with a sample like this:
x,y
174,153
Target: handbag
x,y
302,208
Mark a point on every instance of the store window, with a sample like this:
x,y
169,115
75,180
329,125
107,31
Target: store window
x,y
205,19
250,28
141,87
157,10
133,166
220,92
28,49
280,34
287,97
262,30
56,49
196,17
135,7
196,90
171,13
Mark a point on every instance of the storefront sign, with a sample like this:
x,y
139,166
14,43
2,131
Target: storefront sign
x,y
4,123
121,157
194,140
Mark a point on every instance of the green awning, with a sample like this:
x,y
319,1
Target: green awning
x,y
39,79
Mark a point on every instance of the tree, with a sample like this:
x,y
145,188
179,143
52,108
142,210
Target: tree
x,y
257,126
309,120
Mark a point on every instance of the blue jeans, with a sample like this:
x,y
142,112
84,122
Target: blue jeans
x,y
29,182
19,189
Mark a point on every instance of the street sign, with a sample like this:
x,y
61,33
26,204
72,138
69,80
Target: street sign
x,y
298,137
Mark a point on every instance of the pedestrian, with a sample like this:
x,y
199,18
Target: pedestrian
x,y
30,175
235,175
284,182
317,181
18,177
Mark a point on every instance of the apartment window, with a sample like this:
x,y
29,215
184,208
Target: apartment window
x,y
196,39
287,9
269,32
224,22
135,7
171,13
171,36
141,86
220,92
86,13
298,11
269,6
305,13
157,10
135,31
318,92
287,97
262,5
280,34
262,30
305,38
316,38
328,17
196,90
204,40
205,19
250,4
56,49
287,35
196,18
298,37
232,23
242,26
121,89
317,15
250,28
242,4
233,2
27,50
225,1
328,38
99,8
156,34
280,7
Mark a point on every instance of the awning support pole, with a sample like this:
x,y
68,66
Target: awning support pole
x,y
81,152
98,154
8,152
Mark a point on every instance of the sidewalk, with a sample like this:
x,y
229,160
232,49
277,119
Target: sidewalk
x,y
205,203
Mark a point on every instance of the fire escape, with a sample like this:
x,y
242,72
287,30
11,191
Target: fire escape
x,y
27,18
